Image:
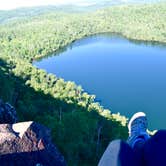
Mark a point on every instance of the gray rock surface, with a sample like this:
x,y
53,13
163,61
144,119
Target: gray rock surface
x,y
28,143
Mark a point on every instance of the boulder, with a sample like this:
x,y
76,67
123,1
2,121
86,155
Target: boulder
x,y
7,113
28,143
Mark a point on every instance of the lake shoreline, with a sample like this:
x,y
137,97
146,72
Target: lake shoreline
x,y
127,57
121,35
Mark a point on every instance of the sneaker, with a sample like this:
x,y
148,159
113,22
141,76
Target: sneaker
x,y
137,129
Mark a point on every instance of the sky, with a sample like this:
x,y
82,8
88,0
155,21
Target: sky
x,y
12,4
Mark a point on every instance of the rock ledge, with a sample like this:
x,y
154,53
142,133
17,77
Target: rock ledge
x,y
28,143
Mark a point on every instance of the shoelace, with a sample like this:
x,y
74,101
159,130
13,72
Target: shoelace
x,y
139,125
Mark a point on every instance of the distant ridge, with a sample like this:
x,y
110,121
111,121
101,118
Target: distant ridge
x,y
26,12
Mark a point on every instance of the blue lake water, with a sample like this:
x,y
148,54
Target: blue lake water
x,y
126,76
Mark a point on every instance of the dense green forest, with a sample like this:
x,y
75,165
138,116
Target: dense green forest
x,y
81,127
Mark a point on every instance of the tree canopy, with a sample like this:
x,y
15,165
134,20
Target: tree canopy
x,y
81,127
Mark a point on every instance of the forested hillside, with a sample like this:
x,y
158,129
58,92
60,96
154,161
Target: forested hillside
x,y
81,127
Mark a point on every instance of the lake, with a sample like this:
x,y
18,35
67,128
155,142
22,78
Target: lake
x,y
126,76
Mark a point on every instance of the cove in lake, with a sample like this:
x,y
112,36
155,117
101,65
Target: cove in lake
x,y
125,76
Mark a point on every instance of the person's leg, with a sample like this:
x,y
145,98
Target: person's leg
x,y
138,135
119,153
155,149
